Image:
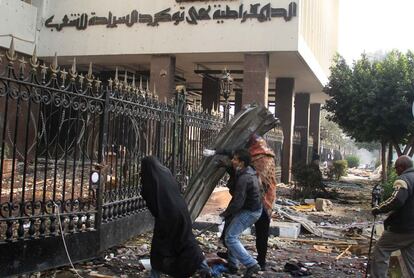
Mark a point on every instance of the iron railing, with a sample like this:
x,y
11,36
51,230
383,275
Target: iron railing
x,y
57,126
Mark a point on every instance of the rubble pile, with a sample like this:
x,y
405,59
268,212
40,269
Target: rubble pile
x,y
332,238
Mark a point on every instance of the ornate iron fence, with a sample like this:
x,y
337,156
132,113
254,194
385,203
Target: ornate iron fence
x,y
58,126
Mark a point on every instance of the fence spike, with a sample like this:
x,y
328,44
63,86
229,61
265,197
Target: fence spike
x,y
140,82
133,81
22,65
90,72
11,52
126,79
43,69
72,70
116,74
54,66
63,74
89,76
98,83
81,78
33,61
110,83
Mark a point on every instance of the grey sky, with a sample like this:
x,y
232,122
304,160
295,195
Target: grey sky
x,y
375,25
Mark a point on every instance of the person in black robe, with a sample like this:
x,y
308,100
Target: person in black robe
x,y
174,249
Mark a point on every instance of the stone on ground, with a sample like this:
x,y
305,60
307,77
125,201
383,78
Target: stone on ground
x,y
323,204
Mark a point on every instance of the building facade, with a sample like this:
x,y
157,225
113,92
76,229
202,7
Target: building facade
x,y
61,121
277,51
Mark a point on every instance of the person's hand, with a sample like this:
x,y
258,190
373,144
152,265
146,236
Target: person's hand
x,y
207,152
221,218
375,211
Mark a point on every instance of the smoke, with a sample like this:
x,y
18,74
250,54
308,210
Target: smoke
x,y
366,157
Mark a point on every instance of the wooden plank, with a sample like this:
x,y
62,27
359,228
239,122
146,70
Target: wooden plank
x,y
343,253
316,241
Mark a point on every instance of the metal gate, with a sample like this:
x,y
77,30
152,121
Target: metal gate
x,y
56,128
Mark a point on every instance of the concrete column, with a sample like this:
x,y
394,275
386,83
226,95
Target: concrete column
x,y
211,93
255,78
284,111
314,125
238,98
302,125
162,76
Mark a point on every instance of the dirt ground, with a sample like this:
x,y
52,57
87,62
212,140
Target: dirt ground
x,y
345,256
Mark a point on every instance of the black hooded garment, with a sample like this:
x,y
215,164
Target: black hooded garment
x,y
174,249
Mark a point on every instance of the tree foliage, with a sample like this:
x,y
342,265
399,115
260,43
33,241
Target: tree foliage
x,y
371,101
330,131
353,161
339,168
332,134
370,146
308,180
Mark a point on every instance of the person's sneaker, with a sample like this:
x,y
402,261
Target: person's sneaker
x,y
262,266
251,270
232,269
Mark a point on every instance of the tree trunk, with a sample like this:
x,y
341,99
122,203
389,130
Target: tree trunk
x,y
236,134
398,149
411,153
384,161
409,147
389,161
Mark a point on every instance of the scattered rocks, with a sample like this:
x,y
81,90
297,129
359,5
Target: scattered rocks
x,y
124,261
323,204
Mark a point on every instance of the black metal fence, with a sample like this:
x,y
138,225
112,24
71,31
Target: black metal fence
x,y
58,126
274,139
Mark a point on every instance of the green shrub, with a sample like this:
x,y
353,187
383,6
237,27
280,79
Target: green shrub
x,y
339,168
353,161
388,185
308,180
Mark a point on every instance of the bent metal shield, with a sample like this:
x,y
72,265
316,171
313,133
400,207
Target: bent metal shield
x,y
252,119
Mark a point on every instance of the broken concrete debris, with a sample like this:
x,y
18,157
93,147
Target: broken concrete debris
x,y
299,235
285,229
323,204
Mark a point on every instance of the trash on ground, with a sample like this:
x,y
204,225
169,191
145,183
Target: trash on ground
x,y
323,248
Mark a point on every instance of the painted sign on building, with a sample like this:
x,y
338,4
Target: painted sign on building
x,y
192,16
